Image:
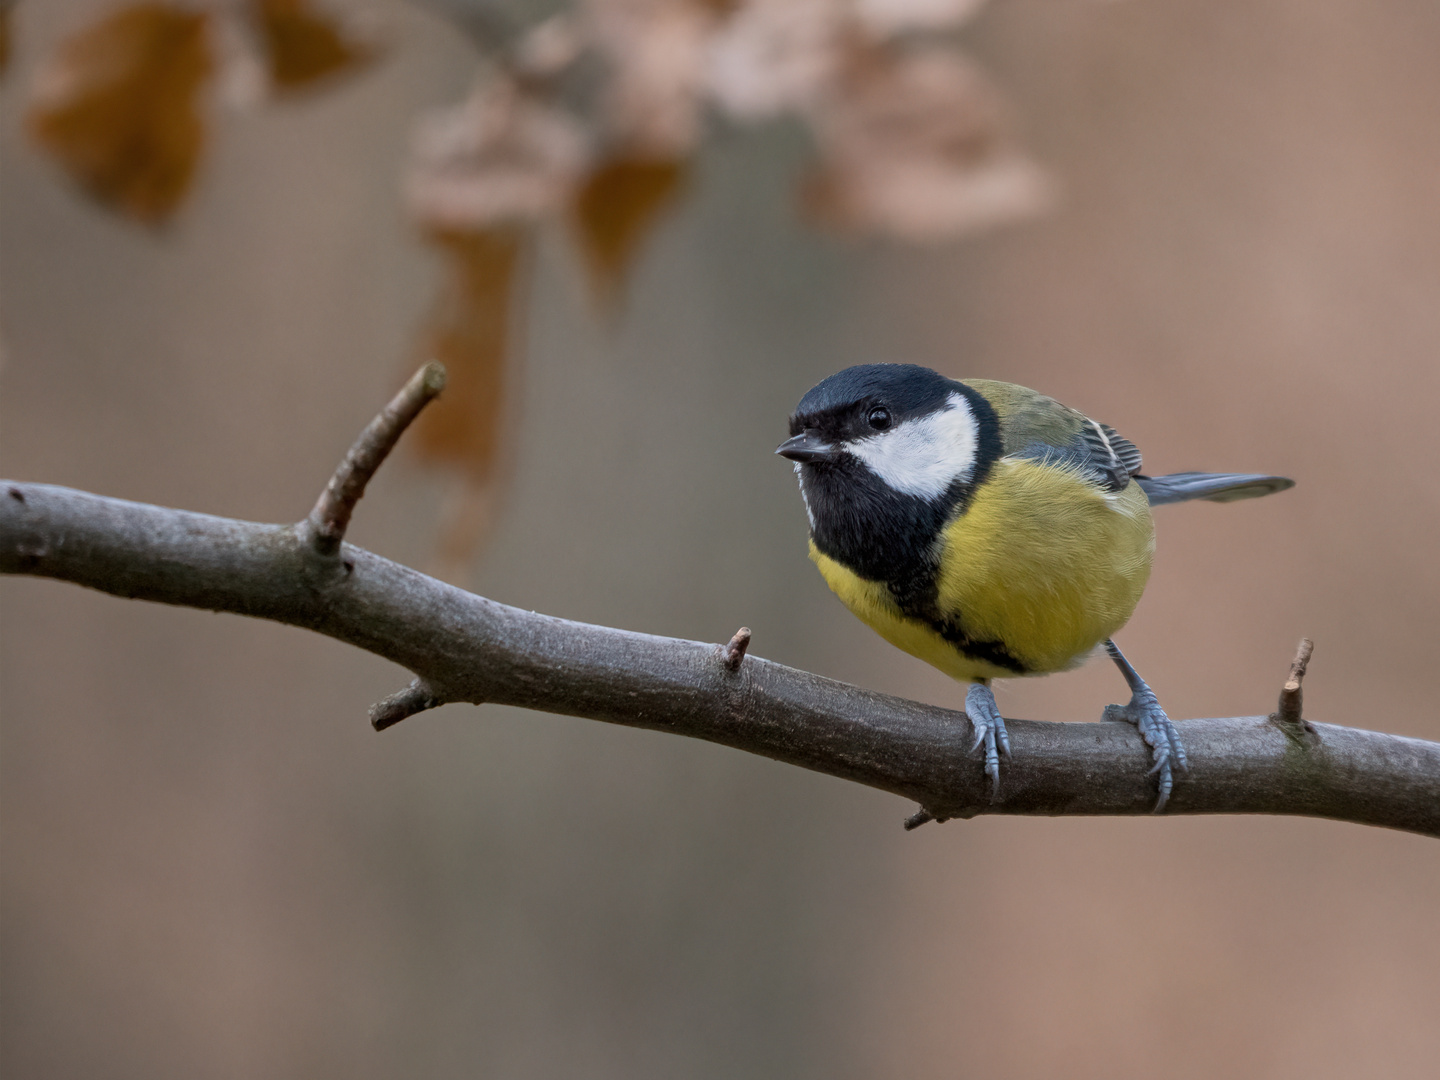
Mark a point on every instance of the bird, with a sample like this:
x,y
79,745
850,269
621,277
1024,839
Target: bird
x,y
990,531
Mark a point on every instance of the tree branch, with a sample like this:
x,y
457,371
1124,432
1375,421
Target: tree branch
x,y
331,515
463,647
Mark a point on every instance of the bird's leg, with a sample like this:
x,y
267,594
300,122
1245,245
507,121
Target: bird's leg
x,y
990,730
1156,728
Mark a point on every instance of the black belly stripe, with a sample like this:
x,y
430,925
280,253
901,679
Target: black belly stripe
x,y
991,652
918,599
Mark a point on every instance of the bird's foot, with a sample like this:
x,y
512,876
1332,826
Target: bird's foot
x,y
990,731
1158,730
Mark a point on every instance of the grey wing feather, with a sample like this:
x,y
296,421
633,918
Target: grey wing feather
x,y
1098,450
1125,450
1212,487
1102,469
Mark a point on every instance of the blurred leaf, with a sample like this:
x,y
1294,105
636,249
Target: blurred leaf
x,y
481,174
777,56
655,54
900,16
469,331
916,145
304,45
500,157
547,49
117,105
5,8
242,70
616,206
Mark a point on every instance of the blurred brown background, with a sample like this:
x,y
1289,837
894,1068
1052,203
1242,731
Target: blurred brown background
x,y
212,867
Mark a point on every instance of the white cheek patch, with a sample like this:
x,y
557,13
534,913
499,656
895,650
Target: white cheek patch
x,y
926,455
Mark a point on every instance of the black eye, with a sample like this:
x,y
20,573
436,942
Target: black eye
x,y
879,418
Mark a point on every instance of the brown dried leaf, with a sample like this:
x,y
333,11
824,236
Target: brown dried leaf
x,y
915,145
469,332
5,9
304,45
498,158
117,105
616,207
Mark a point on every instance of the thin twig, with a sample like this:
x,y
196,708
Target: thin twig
x,y
920,817
735,651
1291,696
415,698
331,516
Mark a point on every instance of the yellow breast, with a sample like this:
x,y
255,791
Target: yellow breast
x,y
1041,561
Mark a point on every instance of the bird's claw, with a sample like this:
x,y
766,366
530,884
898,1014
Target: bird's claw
x,y
1159,733
990,732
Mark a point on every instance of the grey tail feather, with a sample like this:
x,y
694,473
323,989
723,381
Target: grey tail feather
x,y
1212,487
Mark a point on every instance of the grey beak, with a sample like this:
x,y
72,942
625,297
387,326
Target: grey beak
x,y
806,447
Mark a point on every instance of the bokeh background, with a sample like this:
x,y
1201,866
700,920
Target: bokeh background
x,y
211,867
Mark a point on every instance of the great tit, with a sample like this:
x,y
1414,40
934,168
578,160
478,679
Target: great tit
x,y
989,530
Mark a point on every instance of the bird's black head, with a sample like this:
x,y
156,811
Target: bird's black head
x,y
862,401
886,454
